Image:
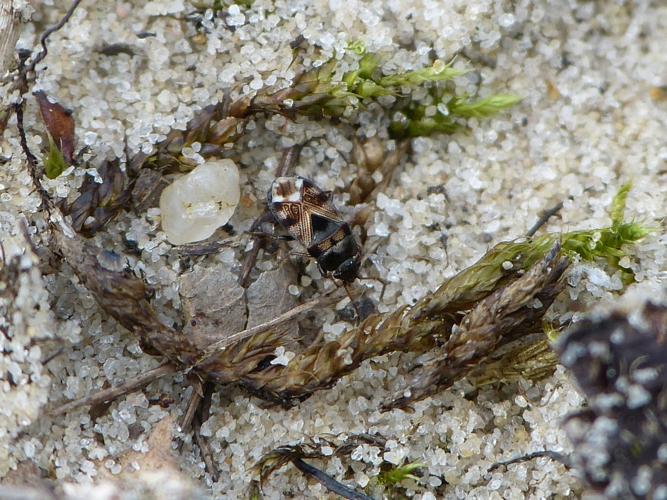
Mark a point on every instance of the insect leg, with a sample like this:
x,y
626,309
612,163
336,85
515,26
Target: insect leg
x,y
288,160
380,280
281,237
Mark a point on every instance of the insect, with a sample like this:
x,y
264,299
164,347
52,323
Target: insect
x,y
310,217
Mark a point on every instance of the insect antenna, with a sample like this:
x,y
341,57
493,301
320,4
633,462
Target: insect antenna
x,y
269,236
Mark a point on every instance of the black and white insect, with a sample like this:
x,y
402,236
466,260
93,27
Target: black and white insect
x,y
310,217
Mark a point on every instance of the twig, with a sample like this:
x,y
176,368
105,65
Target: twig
x,y
553,455
203,413
207,455
193,405
49,31
544,217
32,161
222,345
328,482
114,392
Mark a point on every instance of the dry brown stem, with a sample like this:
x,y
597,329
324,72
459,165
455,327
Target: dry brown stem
x,y
115,392
507,313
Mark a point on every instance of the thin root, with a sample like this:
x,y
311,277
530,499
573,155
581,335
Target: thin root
x,y
114,392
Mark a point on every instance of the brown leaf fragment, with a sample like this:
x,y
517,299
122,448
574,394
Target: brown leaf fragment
x,y
214,305
59,123
147,189
502,316
99,201
620,362
268,298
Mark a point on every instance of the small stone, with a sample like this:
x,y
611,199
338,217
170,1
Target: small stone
x,y
198,203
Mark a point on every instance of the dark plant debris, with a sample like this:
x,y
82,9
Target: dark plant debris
x,y
553,455
481,304
99,202
312,450
619,361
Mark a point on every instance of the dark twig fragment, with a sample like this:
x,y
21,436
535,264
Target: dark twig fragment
x,y
328,482
553,455
193,405
49,31
32,161
544,217
295,454
201,416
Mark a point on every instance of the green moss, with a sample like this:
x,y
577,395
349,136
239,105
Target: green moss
x,y
316,93
418,120
357,47
482,108
54,163
396,475
617,209
507,258
438,72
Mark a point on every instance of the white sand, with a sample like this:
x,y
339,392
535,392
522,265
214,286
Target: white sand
x,y
587,124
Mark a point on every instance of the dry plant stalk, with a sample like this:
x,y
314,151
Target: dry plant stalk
x,y
411,329
323,364
506,314
486,301
530,357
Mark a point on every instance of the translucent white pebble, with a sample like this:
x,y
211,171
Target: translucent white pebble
x,y
198,203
